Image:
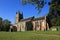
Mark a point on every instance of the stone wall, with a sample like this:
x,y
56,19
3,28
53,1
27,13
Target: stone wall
x,y
36,25
21,26
40,25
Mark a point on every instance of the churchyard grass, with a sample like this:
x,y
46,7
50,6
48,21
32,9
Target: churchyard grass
x,y
31,35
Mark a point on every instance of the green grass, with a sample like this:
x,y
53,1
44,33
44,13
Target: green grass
x,y
30,35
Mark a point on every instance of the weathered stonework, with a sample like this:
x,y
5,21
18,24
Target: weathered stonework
x,y
31,23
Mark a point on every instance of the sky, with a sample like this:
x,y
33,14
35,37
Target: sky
x,y
8,9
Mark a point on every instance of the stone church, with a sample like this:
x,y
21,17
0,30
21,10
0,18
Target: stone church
x,y
31,23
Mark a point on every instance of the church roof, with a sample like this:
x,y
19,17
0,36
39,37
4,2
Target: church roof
x,y
32,18
39,18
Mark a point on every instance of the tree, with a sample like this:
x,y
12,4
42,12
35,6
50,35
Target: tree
x,y
39,3
0,23
54,12
55,7
54,4
0,20
5,25
6,22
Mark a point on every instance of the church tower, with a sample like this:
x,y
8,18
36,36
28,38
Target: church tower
x,y
19,16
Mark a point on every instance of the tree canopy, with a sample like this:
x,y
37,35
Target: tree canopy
x,y
54,12
54,4
4,24
39,3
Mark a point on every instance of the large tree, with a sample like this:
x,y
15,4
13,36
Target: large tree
x,y
54,12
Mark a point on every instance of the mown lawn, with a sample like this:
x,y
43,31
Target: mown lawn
x,y
30,35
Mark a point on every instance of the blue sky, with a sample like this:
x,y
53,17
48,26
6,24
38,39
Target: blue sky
x,y
8,9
